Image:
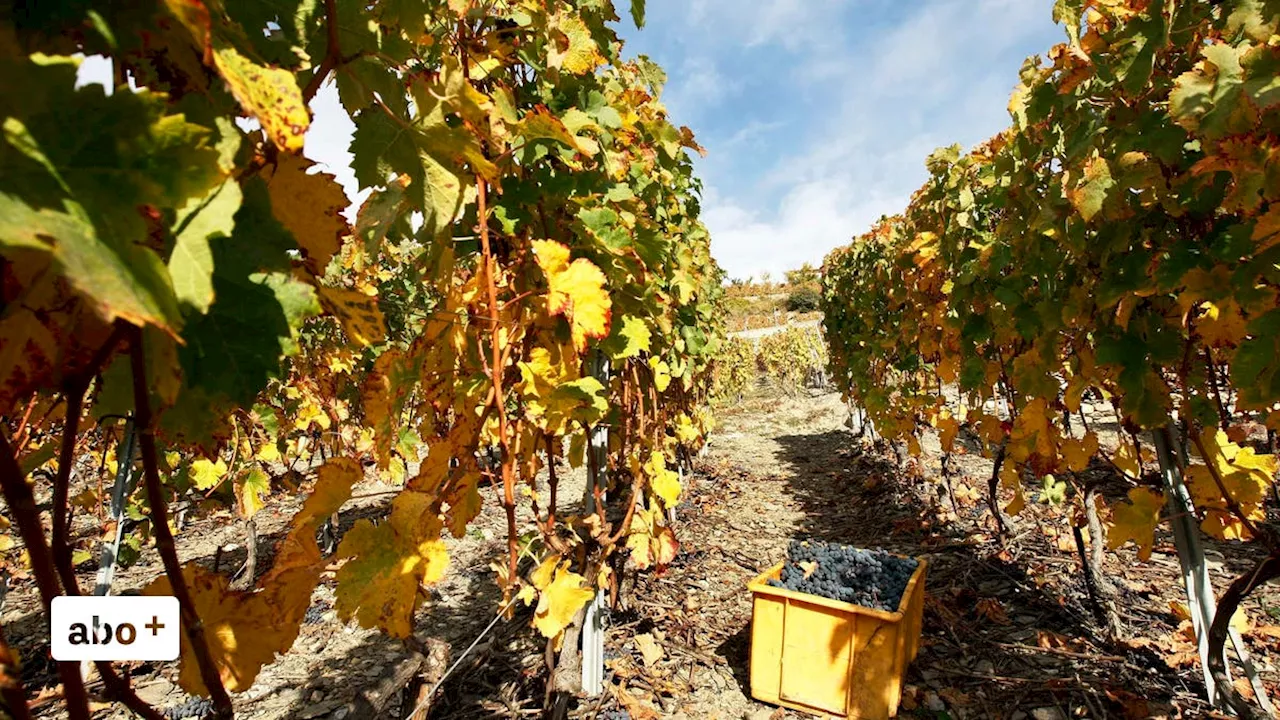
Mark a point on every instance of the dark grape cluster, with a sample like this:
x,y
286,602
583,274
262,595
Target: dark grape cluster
x,y
870,578
315,614
193,707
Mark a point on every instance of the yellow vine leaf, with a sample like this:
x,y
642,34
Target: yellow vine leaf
x,y
913,446
397,470
310,206
925,247
1018,503
990,428
1126,458
1136,520
86,501
383,393
1089,192
665,483
635,336
545,572
1032,435
1246,476
650,542
1075,391
576,291
250,490
577,455
948,428
687,432
1078,451
661,373
949,368
434,470
33,346
553,392
287,587
464,502
298,550
268,452
359,314
540,124
243,634
309,411
1222,324
389,563
1011,477
269,94
572,47
560,600
207,473
1200,284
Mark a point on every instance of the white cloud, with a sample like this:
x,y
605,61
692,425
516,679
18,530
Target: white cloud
x,y
810,220
699,87
751,134
877,108
796,24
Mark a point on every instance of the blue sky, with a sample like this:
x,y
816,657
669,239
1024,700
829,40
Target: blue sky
x,y
817,114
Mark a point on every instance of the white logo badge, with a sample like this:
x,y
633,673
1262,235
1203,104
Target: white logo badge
x,y
129,627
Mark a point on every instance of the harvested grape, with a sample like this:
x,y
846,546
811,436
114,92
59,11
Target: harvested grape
x,y
870,578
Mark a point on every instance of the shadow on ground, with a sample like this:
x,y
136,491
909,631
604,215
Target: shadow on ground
x,y
996,638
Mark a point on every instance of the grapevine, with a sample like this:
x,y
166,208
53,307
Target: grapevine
x,y
1116,241
532,213
735,370
793,359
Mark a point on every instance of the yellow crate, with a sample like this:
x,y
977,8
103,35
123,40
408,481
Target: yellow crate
x,y
828,657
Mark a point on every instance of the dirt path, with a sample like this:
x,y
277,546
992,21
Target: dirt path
x,y
1008,629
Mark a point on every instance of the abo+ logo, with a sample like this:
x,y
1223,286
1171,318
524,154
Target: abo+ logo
x,y
131,627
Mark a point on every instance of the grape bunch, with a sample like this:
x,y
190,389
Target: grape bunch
x,y
315,614
870,578
193,707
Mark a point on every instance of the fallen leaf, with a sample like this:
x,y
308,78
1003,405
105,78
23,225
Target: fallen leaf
x,y
991,609
649,649
1135,706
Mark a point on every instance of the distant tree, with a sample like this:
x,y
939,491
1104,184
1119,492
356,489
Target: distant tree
x,y
806,274
805,298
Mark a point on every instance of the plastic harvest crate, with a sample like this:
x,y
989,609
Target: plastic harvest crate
x,y
829,657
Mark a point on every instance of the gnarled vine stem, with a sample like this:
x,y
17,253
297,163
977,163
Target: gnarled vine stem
x,y
192,626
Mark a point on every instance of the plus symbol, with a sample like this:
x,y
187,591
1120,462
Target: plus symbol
x,y
154,626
